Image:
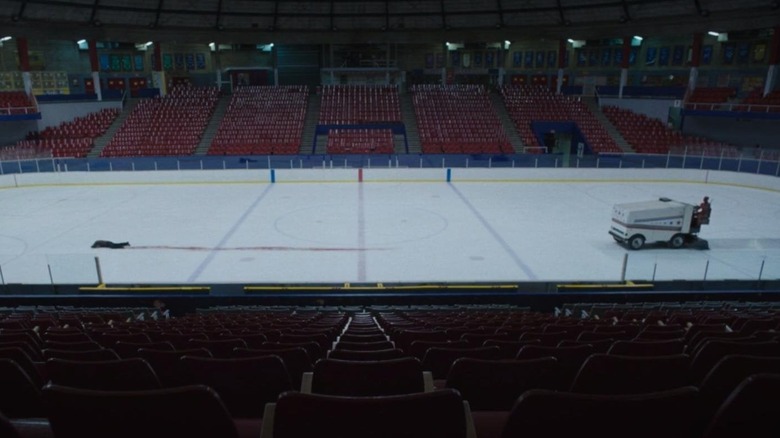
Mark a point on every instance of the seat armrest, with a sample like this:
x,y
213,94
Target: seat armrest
x,y
428,382
267,429
471,431
306,382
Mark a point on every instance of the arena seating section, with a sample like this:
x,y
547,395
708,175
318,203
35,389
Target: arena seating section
x,y
70,139
262,120
648,135
360,141
506,362
757,102
171,125
15,103
359,104
528,103
455,119
709,95
354,105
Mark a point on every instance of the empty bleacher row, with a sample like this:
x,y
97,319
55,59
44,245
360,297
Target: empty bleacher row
x,y
644,370
451,119
526,104
171,125
757,102
70,139
458,119
262,120
648,135
359,104
360,141
710,95
16,103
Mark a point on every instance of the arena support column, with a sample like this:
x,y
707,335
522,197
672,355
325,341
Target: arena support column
x,y
158,75
774,60
693,78
22,49
95,68
561,61
624,63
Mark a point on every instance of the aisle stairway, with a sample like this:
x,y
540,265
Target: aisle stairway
x,y
410,122
594,108
103,140
310,124
506,122
211,129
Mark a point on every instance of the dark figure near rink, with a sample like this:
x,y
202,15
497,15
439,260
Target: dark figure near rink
x,y
109,244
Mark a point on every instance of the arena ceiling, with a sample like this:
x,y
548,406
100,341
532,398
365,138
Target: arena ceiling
x,y
346,21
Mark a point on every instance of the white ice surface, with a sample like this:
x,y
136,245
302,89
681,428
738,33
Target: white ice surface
x,y
371,232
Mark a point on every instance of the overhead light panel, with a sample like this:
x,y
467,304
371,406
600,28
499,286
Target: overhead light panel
x,y
713,33
5,38
638,38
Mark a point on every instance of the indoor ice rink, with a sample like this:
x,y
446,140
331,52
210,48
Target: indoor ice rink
x,y
323,226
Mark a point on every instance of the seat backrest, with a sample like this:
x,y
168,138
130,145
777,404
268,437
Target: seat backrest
x,y
80,355
130,349
19,396
368,378
478,339
509,349
109,339
21,358
712,351
72,346
752,410
659,335
728,373
439,360
404,338
312,348
251,340
320,338
295,359
599,346
542,413
194,411
613,374
112,375
67,337
494,385
163,359
570,359
392,353
437,414
20,337
419,348
222,348
181,340
600,336
32,352
647,348
245,385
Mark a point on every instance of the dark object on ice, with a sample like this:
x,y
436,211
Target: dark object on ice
x,y
109,244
